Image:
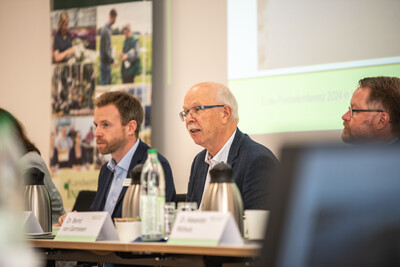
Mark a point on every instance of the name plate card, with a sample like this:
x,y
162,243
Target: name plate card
x,y
208,228
87,226
31,224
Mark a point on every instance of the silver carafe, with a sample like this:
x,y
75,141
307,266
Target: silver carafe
x,y
37,198
223,194
131,203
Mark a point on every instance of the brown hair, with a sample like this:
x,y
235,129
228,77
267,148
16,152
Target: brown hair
x,y
385,91
63,18
27,144
113,13
129,107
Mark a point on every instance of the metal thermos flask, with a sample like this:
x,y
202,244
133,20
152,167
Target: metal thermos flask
x,y
223,194
131,203
37,198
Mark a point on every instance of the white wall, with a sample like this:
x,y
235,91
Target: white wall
x,y
25,69
198,53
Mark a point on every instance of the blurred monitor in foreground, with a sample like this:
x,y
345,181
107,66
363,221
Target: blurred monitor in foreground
x,y
335,206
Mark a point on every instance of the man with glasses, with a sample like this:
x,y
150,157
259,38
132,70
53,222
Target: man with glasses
x,y
374,112
211,114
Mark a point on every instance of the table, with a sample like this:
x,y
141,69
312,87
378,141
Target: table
x,y
152,253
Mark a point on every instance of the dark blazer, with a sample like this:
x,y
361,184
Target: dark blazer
x,y
253,165
105,179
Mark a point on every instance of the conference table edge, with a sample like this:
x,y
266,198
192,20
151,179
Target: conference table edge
x,y
247,250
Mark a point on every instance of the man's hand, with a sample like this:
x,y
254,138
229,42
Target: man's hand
x,y
62,218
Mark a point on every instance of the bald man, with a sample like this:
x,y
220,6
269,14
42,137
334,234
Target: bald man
x,y
211,114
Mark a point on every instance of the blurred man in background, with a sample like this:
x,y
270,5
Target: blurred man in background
x,y
130,56
106,52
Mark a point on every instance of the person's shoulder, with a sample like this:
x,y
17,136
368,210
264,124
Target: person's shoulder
x,y
32,156
33,159
103,169
57,35
133,39
200,156
143,147
104,29
256,148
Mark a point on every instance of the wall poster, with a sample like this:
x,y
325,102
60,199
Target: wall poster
x,y
84,66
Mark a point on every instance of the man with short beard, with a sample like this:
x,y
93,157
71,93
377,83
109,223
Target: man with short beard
x,y
374,112
118,117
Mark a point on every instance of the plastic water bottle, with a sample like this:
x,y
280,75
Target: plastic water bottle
x,y
152,198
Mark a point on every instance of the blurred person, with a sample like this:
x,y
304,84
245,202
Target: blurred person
x,y
32,159
63,145
78,155
53,154
89,136
130,56
62,44
118,117
71,131
106,53
374,112
211,114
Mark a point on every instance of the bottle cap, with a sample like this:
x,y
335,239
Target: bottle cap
x,y
221,173
135,174
152,151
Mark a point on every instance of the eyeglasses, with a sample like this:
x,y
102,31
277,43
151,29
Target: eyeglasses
x,y
196,110
351,110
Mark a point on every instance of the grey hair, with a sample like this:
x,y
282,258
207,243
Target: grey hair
x,y
225,96
127,27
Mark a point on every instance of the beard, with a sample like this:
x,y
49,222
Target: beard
x,y
361,134
112,145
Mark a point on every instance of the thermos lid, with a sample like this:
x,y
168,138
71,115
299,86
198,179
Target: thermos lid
x,y
34,176
221,173
135,174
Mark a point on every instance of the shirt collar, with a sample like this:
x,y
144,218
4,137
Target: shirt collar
x,y
125,161
222,155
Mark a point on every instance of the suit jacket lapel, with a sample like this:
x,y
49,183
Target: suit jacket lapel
x,y
200,182
234,150
109,175
138,157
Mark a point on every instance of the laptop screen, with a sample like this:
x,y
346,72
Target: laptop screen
x,y
335,206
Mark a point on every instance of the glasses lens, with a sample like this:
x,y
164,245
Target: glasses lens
x,y
351,112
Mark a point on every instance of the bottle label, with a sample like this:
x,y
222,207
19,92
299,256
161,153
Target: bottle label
x,y
152,216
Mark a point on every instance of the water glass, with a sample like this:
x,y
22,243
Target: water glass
x,y
187,206
169,217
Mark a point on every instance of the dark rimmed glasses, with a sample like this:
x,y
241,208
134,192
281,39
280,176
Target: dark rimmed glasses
x,y
352,110
195,110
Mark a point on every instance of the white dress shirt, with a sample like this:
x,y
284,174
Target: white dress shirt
x,y
221,156
120,171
